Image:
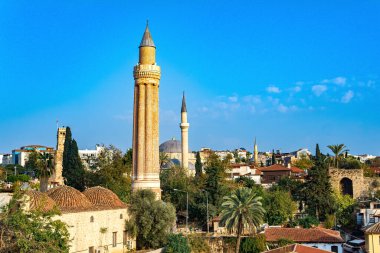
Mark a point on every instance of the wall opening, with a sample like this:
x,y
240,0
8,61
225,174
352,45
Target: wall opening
x,y
346,186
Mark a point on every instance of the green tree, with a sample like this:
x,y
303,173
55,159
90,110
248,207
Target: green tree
x,y
280,207
318,154
215,181
150,219
255,244
241,209
284,241
345,210
319,200
113,171
18,178
31,232
198,244
73,170
45,165
303,163
175,178
177,243
198,165
308,221
338,150
273,157
32,163
164,159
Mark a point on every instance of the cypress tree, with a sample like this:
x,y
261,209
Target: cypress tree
x,y
317,153
318,189
198,165
273,158
73,170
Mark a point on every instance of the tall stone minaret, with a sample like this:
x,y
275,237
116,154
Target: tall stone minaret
x,y
256,153
56,177
184,134
146,168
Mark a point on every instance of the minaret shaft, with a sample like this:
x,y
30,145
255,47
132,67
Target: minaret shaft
x,y
184,135
145,173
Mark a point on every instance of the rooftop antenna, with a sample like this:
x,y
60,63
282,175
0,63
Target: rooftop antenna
x,y
57,123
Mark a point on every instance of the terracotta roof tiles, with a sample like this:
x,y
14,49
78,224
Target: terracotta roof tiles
x,y
103,197
296,248
301,235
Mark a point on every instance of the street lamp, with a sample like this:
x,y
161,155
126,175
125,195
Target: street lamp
x,y
187,208
15,170
208,228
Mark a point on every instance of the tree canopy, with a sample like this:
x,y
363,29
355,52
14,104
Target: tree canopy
x,y
73,170
31,232
150,220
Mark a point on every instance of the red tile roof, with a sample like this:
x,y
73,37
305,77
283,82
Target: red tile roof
x,y
298,248
300,235
296,170
275,167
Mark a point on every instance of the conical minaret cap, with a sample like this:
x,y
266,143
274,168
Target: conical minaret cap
x,y
147,40
183,108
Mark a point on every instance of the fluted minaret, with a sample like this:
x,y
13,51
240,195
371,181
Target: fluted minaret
x,y
184,134
256,153
146,168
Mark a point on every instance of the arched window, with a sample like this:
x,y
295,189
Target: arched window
x,y
92,219
121,216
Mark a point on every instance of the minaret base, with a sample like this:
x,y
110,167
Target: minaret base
x,y
153,185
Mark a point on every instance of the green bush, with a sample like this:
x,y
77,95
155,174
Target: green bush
x,y
177,243
330,221
20,178
284,241
255,244
198,244
308,221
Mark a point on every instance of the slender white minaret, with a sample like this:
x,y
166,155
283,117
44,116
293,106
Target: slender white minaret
x,y
256,153
184,134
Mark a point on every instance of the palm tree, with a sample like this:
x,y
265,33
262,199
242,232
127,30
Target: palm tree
x,y
241,209
337,150
164,159
45,169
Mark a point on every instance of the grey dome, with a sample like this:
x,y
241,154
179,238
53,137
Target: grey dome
x,y
171,146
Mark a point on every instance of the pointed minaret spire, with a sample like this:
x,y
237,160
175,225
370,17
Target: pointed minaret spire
x,y
183,108
147,40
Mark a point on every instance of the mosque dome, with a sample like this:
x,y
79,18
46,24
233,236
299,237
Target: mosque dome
x,y
40,201
68,198
103,197
171,146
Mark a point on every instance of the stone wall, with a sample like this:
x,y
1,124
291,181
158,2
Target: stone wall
x,y
361,185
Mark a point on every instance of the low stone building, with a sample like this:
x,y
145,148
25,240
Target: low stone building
x,y
95,218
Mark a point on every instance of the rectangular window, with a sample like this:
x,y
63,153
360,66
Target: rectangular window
x,y
114,239
334,249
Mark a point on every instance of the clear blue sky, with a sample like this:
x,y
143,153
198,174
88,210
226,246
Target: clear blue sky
x,y
291,73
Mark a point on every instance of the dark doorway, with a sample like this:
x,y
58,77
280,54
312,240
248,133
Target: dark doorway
x,y
346,186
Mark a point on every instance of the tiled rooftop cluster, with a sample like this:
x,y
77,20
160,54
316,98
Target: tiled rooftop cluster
x,y
68,199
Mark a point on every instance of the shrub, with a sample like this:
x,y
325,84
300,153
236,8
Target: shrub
x,y
20,178
284,241
255,244
177,243
308,222
198,244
